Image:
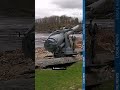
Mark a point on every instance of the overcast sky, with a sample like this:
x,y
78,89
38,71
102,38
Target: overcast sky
x,y
45,8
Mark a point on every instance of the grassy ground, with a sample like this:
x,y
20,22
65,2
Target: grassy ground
x,y
70,79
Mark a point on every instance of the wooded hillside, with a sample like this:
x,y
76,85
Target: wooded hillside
x,y
49,24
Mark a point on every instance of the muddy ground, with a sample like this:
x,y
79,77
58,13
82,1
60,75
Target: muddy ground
x,y
16,71
13,65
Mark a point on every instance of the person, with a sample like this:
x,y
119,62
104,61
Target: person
x,y
28,43
92,29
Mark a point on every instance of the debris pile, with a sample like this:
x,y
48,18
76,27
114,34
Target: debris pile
x,y
41,53
13,65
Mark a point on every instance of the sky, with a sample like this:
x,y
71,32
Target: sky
x,y
45,8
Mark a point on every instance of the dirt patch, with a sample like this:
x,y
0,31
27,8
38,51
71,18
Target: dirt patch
x,y
13,65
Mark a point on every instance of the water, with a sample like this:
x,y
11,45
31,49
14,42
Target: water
x,y
39,39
